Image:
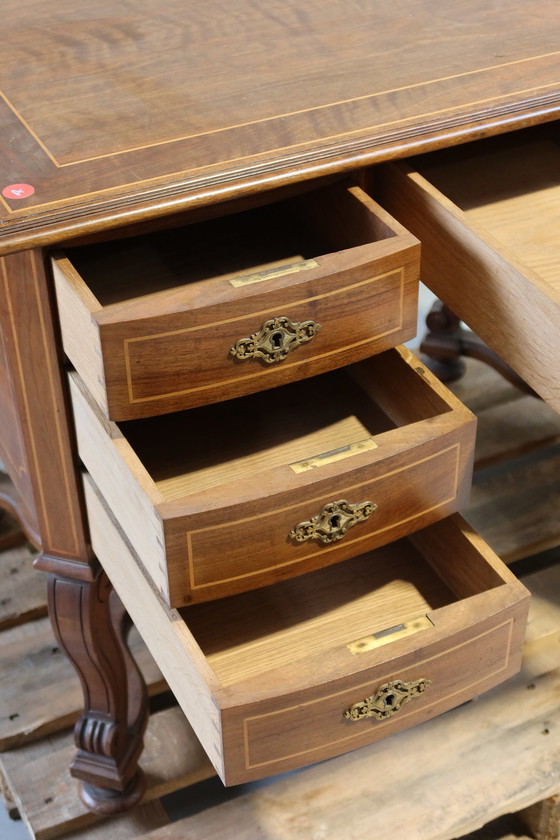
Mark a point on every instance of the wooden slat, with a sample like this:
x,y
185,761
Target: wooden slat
x,y
23,594
47,797
362,792
515,506
39,690
543,819
145,818
448,790
513,429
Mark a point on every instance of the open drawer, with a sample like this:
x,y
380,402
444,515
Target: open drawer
x,y
319,665
234,305
488,216
229,497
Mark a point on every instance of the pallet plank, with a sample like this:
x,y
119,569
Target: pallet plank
x,y
448,791
515,506
39,690
23,595
146,817
47,797
483,775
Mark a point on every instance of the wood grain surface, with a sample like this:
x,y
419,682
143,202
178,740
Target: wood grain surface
x,y
485,239
190,509
152,110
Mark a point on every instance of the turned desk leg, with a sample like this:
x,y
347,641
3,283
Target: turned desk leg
x,y
447,343
36,443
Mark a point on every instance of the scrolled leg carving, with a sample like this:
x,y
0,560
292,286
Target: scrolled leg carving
x,y
90,625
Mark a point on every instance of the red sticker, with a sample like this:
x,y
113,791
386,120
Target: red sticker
x,y
18,191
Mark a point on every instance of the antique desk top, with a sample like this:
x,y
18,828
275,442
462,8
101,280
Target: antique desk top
x,y
107,119
116,118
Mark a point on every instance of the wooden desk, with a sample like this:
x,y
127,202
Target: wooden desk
x,y
113,124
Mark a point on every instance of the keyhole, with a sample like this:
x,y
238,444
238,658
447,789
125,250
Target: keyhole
x,y
335,521
277,340
390,699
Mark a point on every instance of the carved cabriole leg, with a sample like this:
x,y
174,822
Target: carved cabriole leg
x,y
89,623
36,443
447,343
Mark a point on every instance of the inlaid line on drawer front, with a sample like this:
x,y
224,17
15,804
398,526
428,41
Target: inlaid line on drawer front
x,y
365,687
130,343
449,452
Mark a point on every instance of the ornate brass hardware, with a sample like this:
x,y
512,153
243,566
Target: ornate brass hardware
x,y
333,521
275,339
387,700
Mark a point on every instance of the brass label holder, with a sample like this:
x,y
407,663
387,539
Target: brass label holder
x,y
333,455
388,635
271,273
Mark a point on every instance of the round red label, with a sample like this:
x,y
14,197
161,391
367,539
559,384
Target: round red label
x,y
18,191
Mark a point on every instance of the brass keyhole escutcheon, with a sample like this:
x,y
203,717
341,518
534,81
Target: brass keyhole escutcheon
x,y
332,522
276,338
387,700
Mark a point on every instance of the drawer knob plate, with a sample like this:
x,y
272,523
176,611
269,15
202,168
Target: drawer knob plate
x,y
387,700
275,340
332,522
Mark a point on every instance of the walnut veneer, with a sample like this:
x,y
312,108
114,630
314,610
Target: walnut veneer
x,y
159,116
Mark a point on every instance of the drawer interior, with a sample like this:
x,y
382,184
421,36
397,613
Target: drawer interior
x,y
377,593
188,452
511,188
277,235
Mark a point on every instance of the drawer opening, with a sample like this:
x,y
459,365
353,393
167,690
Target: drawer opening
x,y
282,427
510,188
278,238
328,610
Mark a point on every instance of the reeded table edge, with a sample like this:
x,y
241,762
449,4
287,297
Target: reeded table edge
x,y
171,197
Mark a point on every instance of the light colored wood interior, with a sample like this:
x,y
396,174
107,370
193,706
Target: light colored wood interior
x,y
260,432
512,192
251,633
330,219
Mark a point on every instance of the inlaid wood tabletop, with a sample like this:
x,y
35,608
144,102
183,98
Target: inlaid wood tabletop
x,y
114,113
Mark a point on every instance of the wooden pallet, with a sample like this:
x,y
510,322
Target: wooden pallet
x,y
448,777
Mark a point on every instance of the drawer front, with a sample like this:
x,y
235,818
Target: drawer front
x,y
302,731
316,325
245,552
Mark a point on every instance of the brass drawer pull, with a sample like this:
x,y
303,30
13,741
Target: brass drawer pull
x,y
333,521
275,340
387,700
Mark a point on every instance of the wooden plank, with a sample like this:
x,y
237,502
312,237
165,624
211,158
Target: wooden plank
x,y
514,429
39,690
543,819
481,387
47,796
515,506
23,594
143,819
362,791
447,792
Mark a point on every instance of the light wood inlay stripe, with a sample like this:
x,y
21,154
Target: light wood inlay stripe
x,y
74,549
258,315
320,549
366,686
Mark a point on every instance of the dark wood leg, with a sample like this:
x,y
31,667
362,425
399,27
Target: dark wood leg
x,y
447,343
90,625
36,445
